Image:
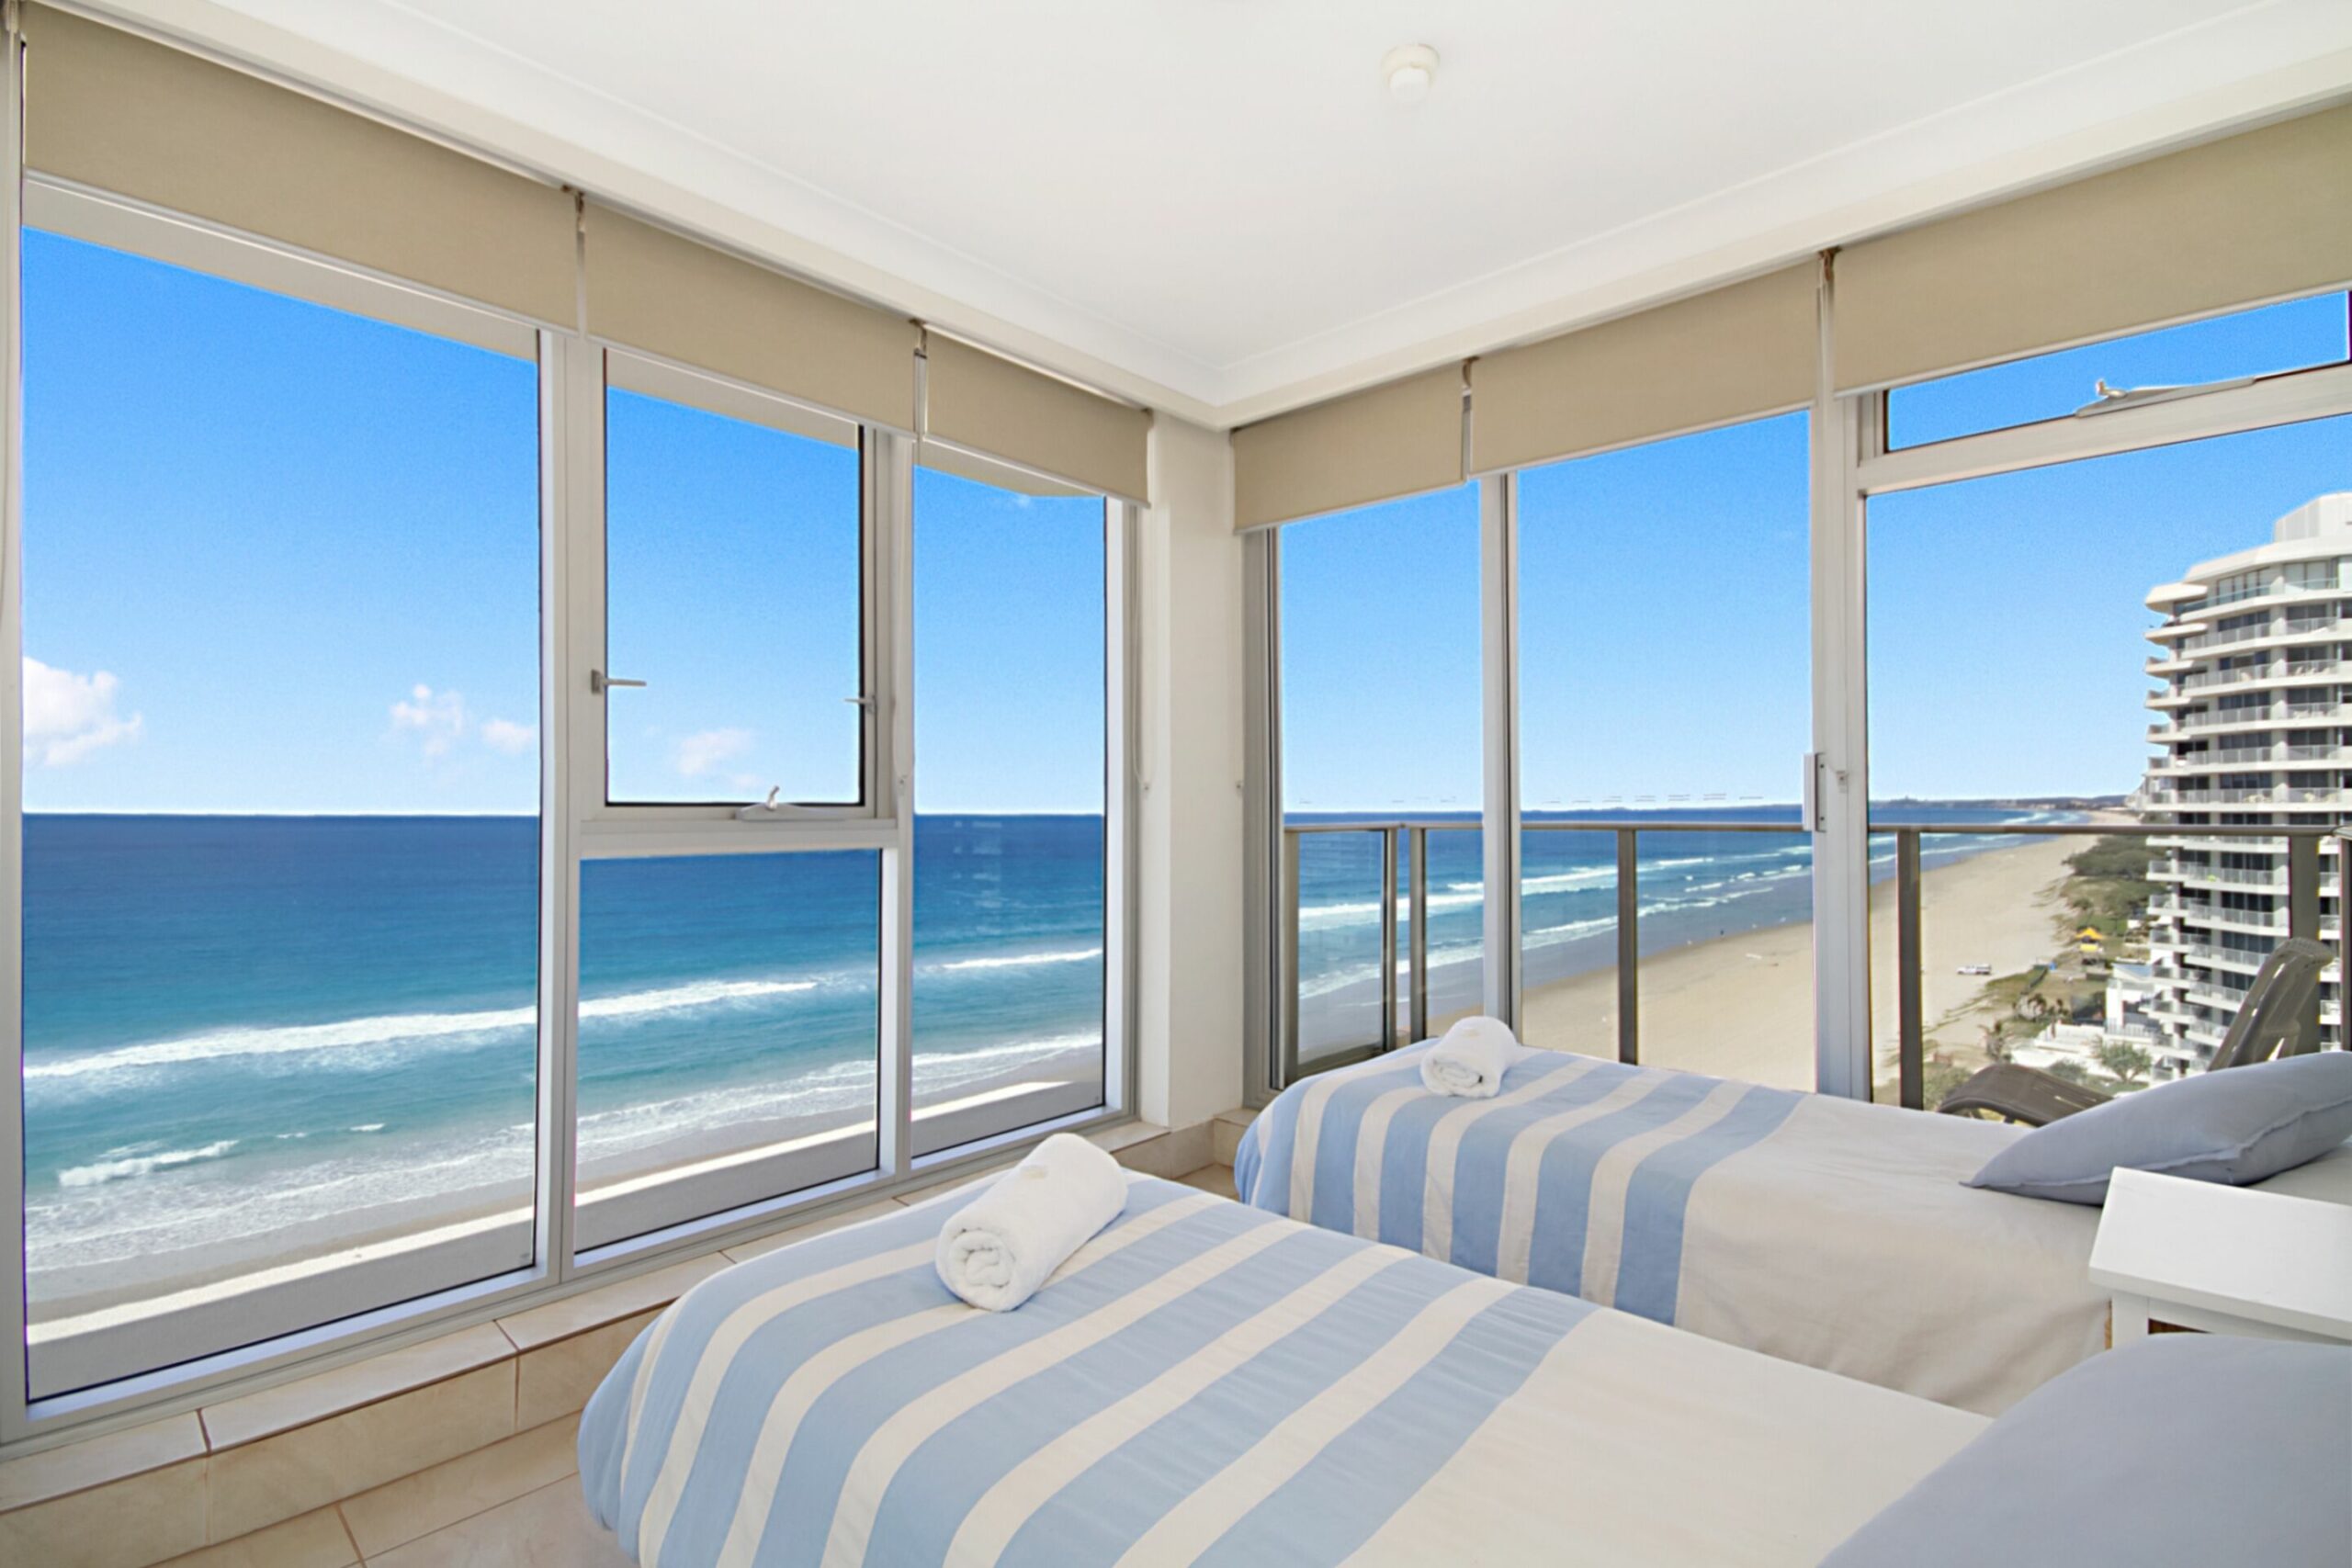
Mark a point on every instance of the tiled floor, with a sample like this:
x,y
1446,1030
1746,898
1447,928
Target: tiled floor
x,y
514,1504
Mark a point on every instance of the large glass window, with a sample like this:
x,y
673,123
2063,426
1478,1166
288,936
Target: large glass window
x,y
1664,685
280,917
2148,640
1010,707
729,1035
733,573
1381,723
2297,335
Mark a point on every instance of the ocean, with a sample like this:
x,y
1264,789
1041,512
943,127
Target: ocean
x,y
1694,886
243,1028
245,1033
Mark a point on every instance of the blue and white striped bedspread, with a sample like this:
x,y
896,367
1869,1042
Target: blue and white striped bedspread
x,y
1206,1383
1807,1226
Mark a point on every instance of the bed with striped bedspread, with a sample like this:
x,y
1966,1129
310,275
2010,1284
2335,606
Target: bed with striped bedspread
x,y
1808,1226
1206,1383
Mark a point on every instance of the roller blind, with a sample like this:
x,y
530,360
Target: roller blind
x,y
1731,354
2260,216
664,294
989,471
991,406
1400,439
118,113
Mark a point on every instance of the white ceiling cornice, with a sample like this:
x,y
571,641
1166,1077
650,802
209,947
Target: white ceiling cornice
x,y
2237,68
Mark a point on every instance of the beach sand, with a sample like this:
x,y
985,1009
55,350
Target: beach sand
x,y
1741,1006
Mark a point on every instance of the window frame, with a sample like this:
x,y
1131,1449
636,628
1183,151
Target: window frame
x,y
1850,462
575,823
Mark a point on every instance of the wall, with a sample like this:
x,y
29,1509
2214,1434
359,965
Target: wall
x,y
1189,970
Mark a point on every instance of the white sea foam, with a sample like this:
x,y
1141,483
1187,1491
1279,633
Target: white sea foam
x,y
360,1035
115,1169
1015,961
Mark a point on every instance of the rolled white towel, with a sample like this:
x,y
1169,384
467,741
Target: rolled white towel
x,y
1469,1062
997,1250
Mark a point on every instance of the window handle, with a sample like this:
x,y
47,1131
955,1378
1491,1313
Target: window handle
x,y
600,683
861,702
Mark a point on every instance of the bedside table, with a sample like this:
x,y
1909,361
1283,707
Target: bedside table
x,y
2224,1259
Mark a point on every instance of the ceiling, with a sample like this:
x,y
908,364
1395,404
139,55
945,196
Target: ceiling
x,y
1213,206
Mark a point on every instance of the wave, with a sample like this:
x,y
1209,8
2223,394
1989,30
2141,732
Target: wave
x,y
102,1172
359,1036
1013,960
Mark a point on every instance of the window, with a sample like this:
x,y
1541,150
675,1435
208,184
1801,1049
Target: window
x,y
733,593
1381,723
730,1034
2298,335
1011,931
1665,686
280,833
2005,688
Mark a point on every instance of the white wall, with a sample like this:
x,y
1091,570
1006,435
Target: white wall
x,y
1189,970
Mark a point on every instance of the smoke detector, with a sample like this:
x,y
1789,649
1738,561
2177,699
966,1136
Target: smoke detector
x,y
1410,70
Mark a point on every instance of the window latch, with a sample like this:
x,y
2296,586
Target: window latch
x,y
2110,399
861,702
600,683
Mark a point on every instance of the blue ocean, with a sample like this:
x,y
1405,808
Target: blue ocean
x,y
240,1026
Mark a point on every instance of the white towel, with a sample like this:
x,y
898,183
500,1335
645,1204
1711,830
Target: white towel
x,y
997,1250
1469,1062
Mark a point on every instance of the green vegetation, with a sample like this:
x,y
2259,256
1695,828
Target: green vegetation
x,y
2108,888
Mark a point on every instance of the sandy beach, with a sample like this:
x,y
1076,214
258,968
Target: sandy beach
x,y
1741,1006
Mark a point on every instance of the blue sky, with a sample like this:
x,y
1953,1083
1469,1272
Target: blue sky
x,y
282,559
1665,632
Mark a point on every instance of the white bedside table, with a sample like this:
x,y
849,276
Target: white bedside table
x,y
2224,1259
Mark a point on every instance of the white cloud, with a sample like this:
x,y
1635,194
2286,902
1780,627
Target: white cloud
x,y
505,735
67,716
439,718
705,749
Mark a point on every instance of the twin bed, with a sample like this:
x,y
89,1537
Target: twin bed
x,y
1810,1227
1206,1382
1203,1382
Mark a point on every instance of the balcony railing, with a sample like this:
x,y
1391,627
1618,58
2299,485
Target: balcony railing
x,y
1403,900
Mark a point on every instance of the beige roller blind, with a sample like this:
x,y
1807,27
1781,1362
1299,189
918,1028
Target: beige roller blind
x,y
118,113
989,471
1731,354
997,409
1400,439
2260,216
657,292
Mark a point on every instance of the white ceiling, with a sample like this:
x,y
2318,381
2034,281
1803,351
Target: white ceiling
x,y
1213,205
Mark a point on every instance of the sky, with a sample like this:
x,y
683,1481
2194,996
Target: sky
x,y
281,558
1664,621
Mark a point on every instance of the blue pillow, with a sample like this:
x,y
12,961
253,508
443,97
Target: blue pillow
x,y
2238,1125
2186,1448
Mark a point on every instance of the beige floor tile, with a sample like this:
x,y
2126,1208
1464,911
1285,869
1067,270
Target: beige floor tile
x,y
429,1500
548,1529
313,1541
124,1524
311,1466
608,1304
744,1251
280,1409
556,1379
94,1461
1216,1179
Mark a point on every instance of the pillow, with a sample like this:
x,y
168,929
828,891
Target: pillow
x,y
2235,1126
2186,1448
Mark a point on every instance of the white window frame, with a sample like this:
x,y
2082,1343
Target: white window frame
x,y
1849,464
576,825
